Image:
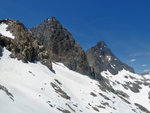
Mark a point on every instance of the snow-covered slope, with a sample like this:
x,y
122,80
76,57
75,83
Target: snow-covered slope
x,y
134,88
33,88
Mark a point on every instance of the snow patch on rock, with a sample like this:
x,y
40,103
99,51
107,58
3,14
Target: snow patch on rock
x,y
4,31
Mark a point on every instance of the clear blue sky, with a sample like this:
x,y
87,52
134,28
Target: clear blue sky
x,y
123,24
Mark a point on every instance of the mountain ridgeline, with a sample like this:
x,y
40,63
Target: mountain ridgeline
x,y
27,86
51,42
63,48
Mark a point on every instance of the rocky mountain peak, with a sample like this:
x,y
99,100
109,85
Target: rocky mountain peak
x,y
52,20
52,23
50,41
61,45
101,44
101,59
102,48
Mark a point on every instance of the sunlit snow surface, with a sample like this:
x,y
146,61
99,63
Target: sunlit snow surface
x,y
30,84
4,31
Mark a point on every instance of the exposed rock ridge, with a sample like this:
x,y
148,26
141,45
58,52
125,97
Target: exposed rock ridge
x,y
49,41
61,45
24,46
101,59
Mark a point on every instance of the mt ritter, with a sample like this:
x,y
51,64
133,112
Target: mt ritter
x,y
61,45
44,70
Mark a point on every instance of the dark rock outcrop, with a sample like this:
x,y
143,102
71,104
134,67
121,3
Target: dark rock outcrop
x,y
24,46
1,51
142,108
7,92
61,45
101,59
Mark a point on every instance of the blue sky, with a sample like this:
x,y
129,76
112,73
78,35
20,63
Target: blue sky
x,y
123,24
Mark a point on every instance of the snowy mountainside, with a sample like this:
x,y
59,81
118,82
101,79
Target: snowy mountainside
x,y
135,89
31,83
35,89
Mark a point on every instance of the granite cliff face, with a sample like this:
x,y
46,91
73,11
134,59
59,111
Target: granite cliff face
x,y
101,59
23,46
61,45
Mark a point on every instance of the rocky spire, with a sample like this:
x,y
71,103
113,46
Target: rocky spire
x,y
101,44
101,59
61,45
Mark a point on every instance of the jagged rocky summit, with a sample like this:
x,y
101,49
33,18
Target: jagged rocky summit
x,y
51,42
61,45
101,59
22,44
65,90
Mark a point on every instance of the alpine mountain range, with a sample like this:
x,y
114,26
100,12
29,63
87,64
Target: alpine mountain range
x,y
44,70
